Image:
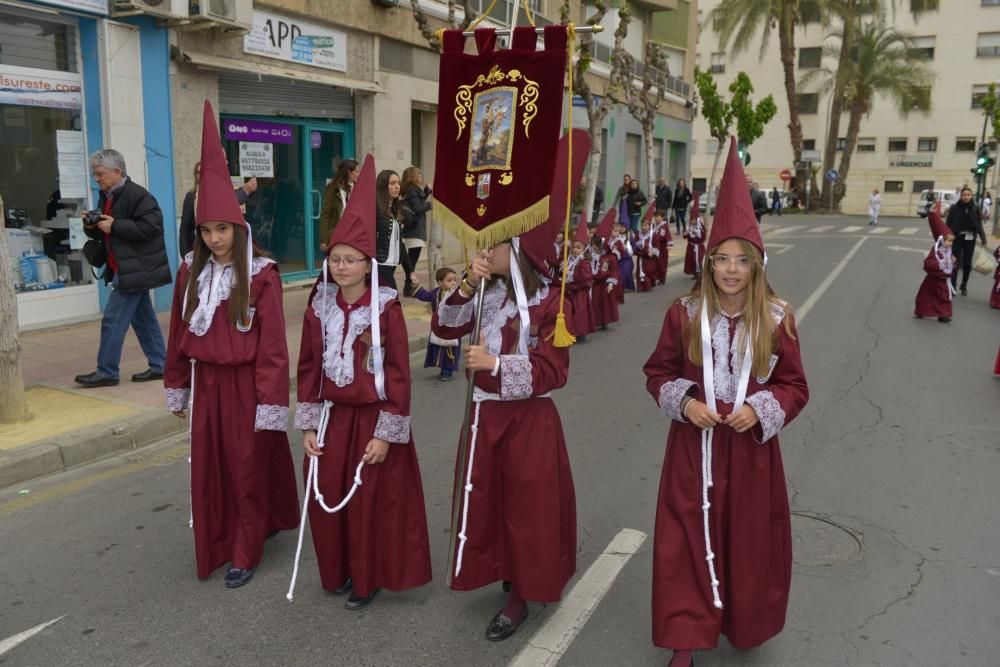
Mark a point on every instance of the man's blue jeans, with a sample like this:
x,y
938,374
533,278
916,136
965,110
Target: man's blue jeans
x,y
127,309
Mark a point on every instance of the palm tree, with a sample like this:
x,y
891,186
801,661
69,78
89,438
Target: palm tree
x,y
740,20
880,61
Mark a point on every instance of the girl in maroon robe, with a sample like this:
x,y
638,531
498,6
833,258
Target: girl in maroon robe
x,y
648,258
663,241
227,363
604,267
934,295
694,257
359,389
578,287
728,374
995,294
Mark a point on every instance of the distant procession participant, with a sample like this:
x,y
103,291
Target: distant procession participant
x,y
441,353
995,294
604,268
728,374
580,280
648,257
935,293
227,371
663,242
874,206
694,256
354,407
621,246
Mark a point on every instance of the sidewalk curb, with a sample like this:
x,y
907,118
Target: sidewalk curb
x,y
74,448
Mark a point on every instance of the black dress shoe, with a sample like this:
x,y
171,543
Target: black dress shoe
x,y
147,375
347,587
965,292
95,380
507,586
355,602
237,577
501,627
944,319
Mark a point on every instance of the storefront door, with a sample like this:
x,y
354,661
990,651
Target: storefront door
x,y
292,160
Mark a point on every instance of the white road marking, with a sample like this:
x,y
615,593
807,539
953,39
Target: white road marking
x,y
801,313
21,637
899,248
908,231
785,230
551,640
848,230
821,228
779,248
878,230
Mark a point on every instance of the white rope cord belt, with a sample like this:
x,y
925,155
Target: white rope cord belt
x,y
191,444
708,378
312,483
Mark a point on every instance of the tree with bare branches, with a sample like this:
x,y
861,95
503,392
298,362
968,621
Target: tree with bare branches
x,y
423,23
13,407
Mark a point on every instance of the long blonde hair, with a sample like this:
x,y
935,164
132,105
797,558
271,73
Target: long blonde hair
x,y
757,318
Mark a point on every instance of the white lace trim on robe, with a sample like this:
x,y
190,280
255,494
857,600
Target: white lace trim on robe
x,y
215,285
307,416
271,418
392,428
672,394
338,357
177,399
455,316
769,412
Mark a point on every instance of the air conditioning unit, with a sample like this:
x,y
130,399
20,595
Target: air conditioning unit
x,y
228,13
167,9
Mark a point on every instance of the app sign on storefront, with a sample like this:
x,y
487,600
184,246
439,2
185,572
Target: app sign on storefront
x,y
296,41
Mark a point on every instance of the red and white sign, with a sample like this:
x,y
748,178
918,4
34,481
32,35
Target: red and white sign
x,y
40,88
785,175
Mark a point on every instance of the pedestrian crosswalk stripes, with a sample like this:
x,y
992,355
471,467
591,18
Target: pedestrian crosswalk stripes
x,y
853,228
785,230
821,228
909,231
879,230
775,230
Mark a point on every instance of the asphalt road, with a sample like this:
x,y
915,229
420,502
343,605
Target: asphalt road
x,y
892,471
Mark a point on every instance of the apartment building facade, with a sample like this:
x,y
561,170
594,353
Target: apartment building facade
x,y
901,155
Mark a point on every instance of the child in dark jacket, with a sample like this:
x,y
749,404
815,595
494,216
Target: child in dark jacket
x,y
441,353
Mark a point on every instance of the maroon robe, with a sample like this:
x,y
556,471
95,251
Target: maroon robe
x,y
934,295
522,509
380,538
996,365
694,257
578,293
242,481
749,515
662,241
618,248
605,306
647,258
995,294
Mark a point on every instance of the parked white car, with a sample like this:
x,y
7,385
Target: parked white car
x,y
928,197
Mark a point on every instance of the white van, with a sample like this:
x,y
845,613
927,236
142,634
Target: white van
x,y
928,197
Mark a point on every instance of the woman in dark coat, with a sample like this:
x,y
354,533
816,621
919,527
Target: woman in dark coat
x,y
966,224
416,203
682,197
636,199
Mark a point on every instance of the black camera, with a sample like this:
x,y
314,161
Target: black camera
x,y
91,218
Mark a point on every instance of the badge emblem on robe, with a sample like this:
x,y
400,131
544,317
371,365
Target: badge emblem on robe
x,y
770,369
245,326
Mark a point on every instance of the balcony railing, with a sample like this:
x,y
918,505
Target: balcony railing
x,y
602,53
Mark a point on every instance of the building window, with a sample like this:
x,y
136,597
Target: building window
x,y
808,103
866,145
811,14
965,144
808,144
897,145
810,58
927,144
718,63
978,93
841,143
698,185
924,5
893,186
989,3
917,99
402,57
920,186
922,47
988,45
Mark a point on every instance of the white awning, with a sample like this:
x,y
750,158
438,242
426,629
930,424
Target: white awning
x,y
206,61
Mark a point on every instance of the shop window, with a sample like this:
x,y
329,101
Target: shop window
x,y
988,45
44,170
893,186
808,103
866,145
920,186
927,144
897,144
965,144
810,58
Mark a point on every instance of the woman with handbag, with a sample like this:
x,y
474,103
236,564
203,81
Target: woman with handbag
x,y
966,224
416,203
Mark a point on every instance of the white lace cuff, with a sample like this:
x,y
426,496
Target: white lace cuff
x,y
612,281
271,418
769,412
515,377
177,399
672,394
392,428
455,316
307,416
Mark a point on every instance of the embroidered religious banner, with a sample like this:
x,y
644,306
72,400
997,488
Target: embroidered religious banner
x,y
499,121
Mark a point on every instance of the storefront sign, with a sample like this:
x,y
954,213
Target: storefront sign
x,y
95,6
296,41
258,130
919,161
40,88
256,159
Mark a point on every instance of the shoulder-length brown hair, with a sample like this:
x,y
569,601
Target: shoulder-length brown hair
x,y
344,169
239,300
409,179
756,314
383,202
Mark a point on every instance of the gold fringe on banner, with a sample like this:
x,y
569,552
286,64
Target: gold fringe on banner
x,y
513,225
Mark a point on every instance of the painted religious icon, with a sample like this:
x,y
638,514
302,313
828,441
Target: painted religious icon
x,y
491,141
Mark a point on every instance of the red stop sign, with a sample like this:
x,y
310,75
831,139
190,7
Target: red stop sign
x,y
785,175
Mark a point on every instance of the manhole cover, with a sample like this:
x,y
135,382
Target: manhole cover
x,y
819,541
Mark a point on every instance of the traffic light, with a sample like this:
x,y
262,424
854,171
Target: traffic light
x,y
983,160
741,150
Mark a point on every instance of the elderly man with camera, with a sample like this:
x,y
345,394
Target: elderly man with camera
x,y
126,232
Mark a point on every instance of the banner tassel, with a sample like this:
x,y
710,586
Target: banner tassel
x,y
562,336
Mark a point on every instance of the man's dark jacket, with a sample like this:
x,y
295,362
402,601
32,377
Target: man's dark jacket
x,y
136,239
